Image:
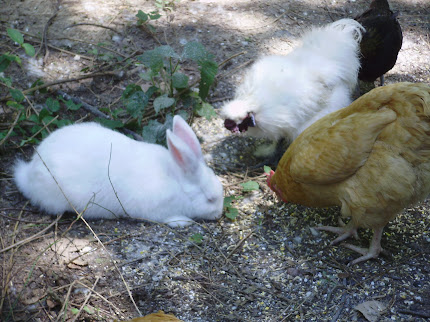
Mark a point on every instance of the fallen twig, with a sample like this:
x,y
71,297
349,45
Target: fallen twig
x,y
31,238
96,112
239,244
45,33
91,290
91,24
415,313
66,302
11,129
62,81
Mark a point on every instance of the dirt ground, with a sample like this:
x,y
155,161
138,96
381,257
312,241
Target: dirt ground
x,y
267,265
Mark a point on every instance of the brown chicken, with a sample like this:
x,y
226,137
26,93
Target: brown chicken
x,y
372,158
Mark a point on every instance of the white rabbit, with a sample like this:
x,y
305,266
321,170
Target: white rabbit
x,y
108,175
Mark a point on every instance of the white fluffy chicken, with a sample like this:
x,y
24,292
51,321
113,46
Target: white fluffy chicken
x,y
282,95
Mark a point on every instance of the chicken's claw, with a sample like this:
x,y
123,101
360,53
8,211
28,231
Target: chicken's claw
x,y
343,232
372,252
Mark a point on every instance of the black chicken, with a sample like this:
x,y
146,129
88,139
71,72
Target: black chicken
x,y
380,43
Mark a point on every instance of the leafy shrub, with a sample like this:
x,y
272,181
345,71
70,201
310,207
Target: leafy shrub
x,y
170,91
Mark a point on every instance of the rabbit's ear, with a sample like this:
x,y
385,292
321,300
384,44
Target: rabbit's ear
x,y
182,153
186,133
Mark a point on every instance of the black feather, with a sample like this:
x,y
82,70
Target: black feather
x,y
381,42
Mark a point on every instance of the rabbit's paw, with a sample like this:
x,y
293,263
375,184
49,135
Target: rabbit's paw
x,y
178,221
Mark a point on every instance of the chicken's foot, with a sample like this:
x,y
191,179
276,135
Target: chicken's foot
x,y
372,252
345,231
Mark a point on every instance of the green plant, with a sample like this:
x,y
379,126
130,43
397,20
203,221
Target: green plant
x,y
250,186
196,238
101,54
165,4
7,58
144,19
37,122
230,211
170,90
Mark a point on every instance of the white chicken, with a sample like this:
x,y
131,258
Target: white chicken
x,y
282,95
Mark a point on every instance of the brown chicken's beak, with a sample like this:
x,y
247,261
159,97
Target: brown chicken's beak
x,y
273,186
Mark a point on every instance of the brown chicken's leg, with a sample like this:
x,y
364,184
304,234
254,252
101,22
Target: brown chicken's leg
x,y
374,249
345,231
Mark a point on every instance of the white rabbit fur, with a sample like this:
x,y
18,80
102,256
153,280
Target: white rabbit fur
x,y
288,93
90,163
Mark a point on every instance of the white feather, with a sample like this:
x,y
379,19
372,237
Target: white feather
x,y
288,93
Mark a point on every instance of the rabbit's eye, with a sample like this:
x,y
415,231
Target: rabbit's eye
x,y
211,199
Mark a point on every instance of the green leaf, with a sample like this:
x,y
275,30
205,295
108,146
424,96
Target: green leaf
x,y
162,102
46,119
35,128
38,82
151,91
71,106
29,49
154,15
43,114
6,59
135,100
52,105
208,71
143,17
33,118
74,310
130,90
205,110
179,80
4,63
146,76
111,124
17,95
6,80
136,103
88,310
15,35
267,169
228,200
154,58
195,51
61,123
31,141
15,105
197,238
232,213
250,186
166,51
155,132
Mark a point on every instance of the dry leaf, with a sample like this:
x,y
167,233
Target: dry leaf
x,y
79,261
51,304
32,296
73,266
371,310
160,316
